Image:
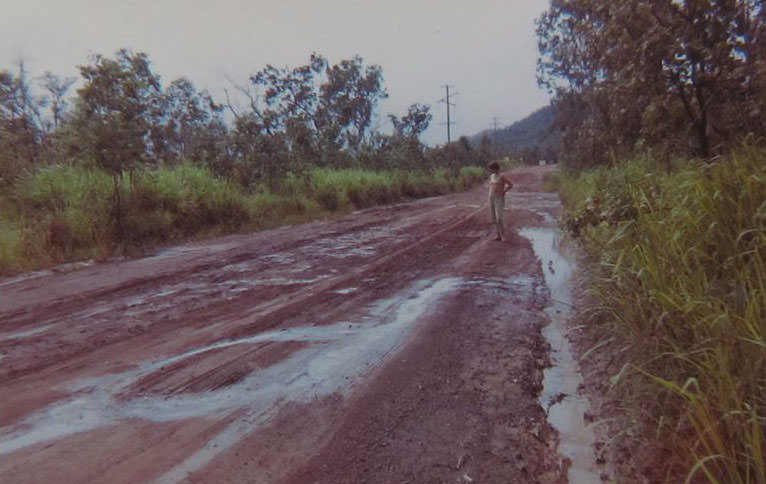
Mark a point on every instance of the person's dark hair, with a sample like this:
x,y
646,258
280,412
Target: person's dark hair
x,y
494,166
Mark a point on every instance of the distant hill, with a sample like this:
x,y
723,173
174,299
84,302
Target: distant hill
x,y
530,138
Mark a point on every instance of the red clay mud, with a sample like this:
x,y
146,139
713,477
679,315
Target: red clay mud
x,y
397,344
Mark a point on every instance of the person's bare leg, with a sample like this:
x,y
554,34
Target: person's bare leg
x,y
500,208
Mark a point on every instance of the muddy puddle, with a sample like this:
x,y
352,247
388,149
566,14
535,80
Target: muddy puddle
x,y
72,266
335,357
564,405
546,204
25,333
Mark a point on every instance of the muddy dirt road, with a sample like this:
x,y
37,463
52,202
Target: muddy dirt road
x,y
397,344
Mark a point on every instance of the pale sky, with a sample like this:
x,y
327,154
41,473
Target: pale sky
x,y
485,49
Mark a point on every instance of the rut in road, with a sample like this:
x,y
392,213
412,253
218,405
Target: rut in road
x,y
223,279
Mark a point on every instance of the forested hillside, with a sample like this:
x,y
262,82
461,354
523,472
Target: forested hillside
x,y
530,139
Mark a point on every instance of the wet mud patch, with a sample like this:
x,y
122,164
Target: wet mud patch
x,y
567,408
418,359
525,182
210,370
294,364
525,218
146,449
458,403
545,207
278,446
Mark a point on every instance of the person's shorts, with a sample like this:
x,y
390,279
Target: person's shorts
x,y
497,205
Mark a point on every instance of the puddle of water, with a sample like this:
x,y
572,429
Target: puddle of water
x,y
46,272
168,252
342,353
560,398
25,277
243,285
545,204
25,333
515,283
166,291
359,243
276,258
357,251
284,281
334,371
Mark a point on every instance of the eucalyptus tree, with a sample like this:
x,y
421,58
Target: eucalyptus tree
x,y
403,149
279,132
189,122
679,76
312,114
57,89
349,96
116,111
291,98
20,123
413,123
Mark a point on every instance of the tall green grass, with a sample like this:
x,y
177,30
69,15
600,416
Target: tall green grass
x,y
181,201
338,189
10,246
60,215
350,188
63,213
679,291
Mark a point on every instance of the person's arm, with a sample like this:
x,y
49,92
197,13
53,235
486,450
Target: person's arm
x,y
507,184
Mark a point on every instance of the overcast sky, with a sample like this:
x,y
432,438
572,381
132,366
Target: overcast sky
x,y
485,49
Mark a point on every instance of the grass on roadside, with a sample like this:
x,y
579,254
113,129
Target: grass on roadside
x,y
63,213
679,280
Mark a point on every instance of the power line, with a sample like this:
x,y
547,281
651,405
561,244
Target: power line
x,y
446,100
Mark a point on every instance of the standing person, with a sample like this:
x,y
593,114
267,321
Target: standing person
x,y
498,185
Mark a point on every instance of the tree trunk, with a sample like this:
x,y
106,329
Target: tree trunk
x,y
117,208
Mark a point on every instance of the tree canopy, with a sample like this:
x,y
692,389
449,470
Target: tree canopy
x,y
671,76
122,117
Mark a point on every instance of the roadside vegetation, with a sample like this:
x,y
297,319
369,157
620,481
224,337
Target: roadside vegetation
x,y
64,213
126,163
660,105
678,292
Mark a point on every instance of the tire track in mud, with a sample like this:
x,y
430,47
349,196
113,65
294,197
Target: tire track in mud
x,y
316,350
209,290
62,293
57,330
103,399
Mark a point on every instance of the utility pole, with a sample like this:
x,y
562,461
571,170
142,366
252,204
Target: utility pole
x,y
494,135
446,101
